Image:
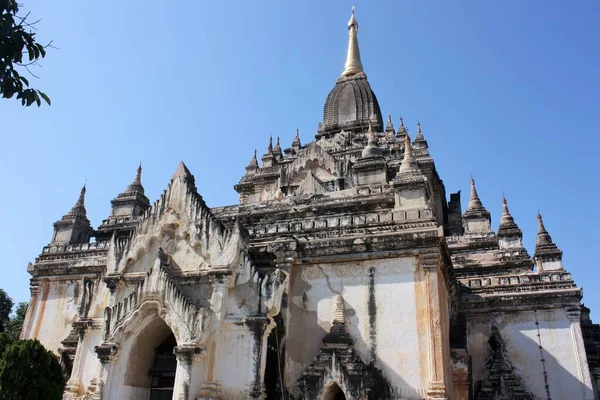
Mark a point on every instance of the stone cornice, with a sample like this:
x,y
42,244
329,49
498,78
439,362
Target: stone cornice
x,y
55,252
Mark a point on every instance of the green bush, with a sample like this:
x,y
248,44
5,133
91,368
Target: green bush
x,y
29,372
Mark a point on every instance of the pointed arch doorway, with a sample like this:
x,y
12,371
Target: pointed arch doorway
x,y
334,392
150,365
163,371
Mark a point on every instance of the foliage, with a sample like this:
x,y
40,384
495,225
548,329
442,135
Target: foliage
x,y
30,372
6,305
16,40
14,326
5,341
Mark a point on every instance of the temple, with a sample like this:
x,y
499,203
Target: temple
x,y
345,272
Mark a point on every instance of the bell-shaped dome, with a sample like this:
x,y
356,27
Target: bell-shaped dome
x,y
350,105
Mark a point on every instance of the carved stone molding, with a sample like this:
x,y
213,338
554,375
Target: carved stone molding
x,y
107,352
210,391
436,390
186,352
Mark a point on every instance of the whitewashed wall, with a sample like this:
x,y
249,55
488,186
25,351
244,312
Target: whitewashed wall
x,y
565,364
400,324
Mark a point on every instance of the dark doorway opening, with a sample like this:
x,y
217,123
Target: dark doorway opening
x,y
334,392
163,371
340,396
275,361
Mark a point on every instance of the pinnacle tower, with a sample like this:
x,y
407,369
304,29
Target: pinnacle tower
x,y
351,105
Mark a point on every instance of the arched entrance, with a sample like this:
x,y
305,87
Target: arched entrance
x,y
334,392
151,365
163,372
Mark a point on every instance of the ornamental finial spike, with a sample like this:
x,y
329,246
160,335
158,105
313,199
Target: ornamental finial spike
x,y
353,64
372,139
138,175
81,199
338,310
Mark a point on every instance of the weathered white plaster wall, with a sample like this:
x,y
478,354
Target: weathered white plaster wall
x,y
235,360
399,342
562,362
55,307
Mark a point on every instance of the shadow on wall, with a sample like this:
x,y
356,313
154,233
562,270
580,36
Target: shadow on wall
x,y
521,367
306,330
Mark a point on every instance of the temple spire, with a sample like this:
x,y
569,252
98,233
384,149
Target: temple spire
x,y
401,130
506,217
547,255
126,208
419,133
338,310
372,148
476,218
253,163
79,206
543,237
420,143
136,185
277,149
138,176
372,139
269,158
474,201
509,233
353,63
389,128
408,163
296,143
74,227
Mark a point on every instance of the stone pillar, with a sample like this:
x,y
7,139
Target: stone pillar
x,y
258,327
183,376
583,370
34,288
107,353
436,389
74,384
460,374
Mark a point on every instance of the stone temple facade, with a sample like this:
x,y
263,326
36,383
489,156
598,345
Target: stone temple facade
x,y
343,273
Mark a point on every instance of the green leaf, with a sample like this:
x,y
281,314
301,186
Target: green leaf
x,y
45,97
25,81
42,50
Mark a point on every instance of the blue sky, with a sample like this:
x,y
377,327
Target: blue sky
x,y
505,90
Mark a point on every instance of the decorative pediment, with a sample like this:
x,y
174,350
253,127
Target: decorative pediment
x,y
181,224
502,381
154,290
311,172
337,363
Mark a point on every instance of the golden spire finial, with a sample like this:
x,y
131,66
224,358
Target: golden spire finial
x,y
353,64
